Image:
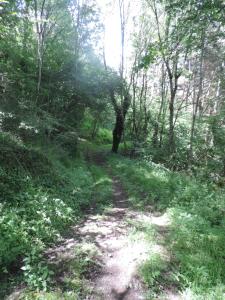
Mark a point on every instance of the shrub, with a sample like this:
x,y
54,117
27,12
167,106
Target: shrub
x,y
36,272
68,141
9,123
104,136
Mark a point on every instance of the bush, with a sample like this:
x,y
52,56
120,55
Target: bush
x,y
68,141
37,219
36,272
9,123
20,163
104,136
11,184
15,155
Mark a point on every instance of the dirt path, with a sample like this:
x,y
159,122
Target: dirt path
x,y
118,255
121,257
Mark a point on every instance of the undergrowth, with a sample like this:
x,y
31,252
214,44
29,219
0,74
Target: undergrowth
x,y
42,193
71,275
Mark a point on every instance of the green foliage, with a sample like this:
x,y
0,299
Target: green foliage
x,y
104,136
36,273
37,218
152,269
9,123
92,126
50,296
54,92
150,57
68,141
51,83
73,273
14,155
34,212
199,247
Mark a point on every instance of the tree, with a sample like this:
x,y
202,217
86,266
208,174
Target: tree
x,y
50,71
119,95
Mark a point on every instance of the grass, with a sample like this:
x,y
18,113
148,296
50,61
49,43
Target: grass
x,y
156,270
197,232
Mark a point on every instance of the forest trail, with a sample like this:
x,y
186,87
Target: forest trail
x,y
120,256
115,275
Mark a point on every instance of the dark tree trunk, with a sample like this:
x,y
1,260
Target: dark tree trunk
x,y
95,129
173,78
155,134
223,174
118,131
171,122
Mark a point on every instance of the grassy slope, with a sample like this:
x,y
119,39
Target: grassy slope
x,y
43,191
197,233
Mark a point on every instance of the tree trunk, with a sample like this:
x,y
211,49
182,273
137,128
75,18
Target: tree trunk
x,y
197,102
118,131
95,129
159,117
155,134
173,83
171,124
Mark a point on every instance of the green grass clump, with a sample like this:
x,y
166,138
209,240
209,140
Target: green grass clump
x,y
50,296
152,270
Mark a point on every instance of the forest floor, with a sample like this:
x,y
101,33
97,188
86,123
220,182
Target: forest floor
x,y
144,232
102,257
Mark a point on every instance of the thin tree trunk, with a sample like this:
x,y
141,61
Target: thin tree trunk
x,y
157,125
40,30
197,102
173,80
